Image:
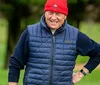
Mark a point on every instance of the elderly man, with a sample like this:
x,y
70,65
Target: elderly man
x,y
49,49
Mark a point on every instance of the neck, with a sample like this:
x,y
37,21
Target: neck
x,y
53,31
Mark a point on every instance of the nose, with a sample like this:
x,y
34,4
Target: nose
x,y
54,16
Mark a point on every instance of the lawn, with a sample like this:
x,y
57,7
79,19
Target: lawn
x,y
3,39
93,31
90,79
4,77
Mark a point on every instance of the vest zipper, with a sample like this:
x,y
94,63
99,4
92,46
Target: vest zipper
x,y
52,58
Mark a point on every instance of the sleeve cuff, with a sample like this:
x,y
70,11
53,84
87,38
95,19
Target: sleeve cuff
x,y
91,65
13,75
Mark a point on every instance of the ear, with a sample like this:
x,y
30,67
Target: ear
x,y
65,17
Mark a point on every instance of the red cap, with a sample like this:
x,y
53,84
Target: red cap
x,y
57,6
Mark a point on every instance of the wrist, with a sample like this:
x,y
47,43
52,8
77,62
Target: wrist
x,y
83,72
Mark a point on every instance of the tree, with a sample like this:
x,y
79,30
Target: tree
x,y
76,12
29,11
15,11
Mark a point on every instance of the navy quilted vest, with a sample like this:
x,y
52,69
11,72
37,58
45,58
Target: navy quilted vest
x,y
51,57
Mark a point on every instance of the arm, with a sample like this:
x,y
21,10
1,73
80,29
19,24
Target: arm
x,y
18,59
87,47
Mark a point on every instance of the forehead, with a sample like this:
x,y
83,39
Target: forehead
x,y
54,12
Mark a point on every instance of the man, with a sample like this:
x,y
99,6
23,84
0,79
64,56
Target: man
x,y
48,50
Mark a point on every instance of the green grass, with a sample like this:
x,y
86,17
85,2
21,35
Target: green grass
x,y
3,39
3,30
93,31
4,77
2,54
90,79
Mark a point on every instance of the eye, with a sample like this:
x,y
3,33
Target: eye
x,y
50,12
58,14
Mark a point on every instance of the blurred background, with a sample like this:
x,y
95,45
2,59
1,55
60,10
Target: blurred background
x,y
15,15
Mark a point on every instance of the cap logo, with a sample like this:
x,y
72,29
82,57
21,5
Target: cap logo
x,y
55,5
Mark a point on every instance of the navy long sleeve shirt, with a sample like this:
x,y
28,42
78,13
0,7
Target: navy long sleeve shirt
x,y
84,46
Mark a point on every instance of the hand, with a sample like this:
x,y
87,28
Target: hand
x,y
77,77
13,83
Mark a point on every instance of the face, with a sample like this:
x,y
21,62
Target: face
x,y
54,19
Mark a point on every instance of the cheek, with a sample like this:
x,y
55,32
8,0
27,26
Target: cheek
x,y
47,19
62,21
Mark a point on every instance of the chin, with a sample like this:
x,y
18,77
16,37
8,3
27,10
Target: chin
x,y
53,27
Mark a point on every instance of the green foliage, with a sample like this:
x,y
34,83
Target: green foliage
x,y
30,2
3,30
37,2
72,1
3,39
6,9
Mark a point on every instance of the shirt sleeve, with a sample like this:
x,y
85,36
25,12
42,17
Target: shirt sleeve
x,y
87,47
19,58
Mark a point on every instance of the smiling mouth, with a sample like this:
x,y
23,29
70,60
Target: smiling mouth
x,y
53,22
